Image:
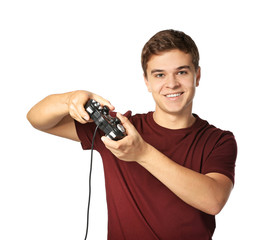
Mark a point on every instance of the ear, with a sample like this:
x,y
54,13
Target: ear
x,y
198,76
147,83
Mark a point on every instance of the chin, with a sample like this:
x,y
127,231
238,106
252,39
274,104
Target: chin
x,y
176,109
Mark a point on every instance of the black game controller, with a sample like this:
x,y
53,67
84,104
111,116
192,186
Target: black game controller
x,y
111,126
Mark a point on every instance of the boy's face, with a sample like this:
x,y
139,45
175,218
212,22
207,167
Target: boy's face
x,y
172,80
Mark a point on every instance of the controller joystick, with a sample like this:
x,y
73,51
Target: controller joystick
x,y
116,121
105,110
111,126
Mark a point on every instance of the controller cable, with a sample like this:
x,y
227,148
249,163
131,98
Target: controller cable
x,y
90,174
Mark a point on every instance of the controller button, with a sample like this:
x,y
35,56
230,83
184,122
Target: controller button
x,y
96,104
105,110
117,121
111,135
121,128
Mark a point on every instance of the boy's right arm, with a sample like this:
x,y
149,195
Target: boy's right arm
x,y
55,114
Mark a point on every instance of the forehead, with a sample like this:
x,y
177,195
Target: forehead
x,y
169,60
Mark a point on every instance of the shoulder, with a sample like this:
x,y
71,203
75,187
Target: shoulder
x,y
211,130
219,149
135,118
214,137
142,122
132,117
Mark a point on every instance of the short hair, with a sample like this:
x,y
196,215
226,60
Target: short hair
x,y
167,40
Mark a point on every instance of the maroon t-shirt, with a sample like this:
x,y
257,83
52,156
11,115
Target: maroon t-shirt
x,y
139,205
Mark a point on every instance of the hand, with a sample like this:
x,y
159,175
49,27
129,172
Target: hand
x,y
132,148
78,99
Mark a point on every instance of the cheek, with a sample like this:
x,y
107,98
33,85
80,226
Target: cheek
x,y
155,88
190,84
191,89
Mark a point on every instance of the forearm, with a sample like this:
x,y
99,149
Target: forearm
x,y
197,190
49,111
56,113
207,193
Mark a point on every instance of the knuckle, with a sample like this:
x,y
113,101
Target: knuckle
x,y
71,112
71,107
117,146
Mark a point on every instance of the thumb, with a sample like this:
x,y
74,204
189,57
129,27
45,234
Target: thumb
x,y
125,122
107,141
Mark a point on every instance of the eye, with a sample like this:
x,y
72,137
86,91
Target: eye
x,y
159,75
182,73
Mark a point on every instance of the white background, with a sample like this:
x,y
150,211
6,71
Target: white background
x,y
57,46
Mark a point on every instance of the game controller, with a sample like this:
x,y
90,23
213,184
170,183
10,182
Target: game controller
x,y
111,126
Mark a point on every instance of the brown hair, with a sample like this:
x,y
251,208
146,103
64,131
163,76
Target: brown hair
x,y
167,40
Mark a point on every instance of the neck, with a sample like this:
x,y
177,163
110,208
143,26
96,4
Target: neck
x,y
174,121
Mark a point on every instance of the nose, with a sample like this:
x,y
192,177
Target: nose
x,y
172,81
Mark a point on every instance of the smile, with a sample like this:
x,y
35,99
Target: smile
x,y
173,95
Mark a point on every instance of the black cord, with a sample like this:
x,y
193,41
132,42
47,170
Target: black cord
x,y
90,173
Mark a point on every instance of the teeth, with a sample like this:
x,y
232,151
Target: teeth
x,y
173,95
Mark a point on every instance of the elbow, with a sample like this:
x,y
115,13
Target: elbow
x,y
215,210
209,206
30,119
28,116
215,207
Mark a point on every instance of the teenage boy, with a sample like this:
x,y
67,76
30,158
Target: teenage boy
x,y
173,171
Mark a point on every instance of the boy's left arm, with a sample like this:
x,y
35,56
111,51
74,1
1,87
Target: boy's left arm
x,y
208,193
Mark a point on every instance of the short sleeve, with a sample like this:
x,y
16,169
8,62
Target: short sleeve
x,y
85,133
222,157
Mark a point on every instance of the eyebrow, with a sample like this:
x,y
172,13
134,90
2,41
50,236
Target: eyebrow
x,y
156,70
184,66
179,68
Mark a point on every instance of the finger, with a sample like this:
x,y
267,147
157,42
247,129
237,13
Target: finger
x,y
125,122
82,113
111,107
122,118
110,144
74,113
103,101
78,118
